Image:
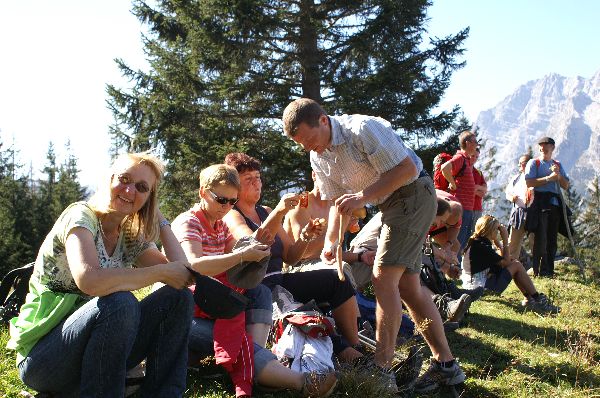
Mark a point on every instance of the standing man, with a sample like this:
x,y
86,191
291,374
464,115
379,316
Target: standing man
x,y
546,176
480,189
520,196
360,159
459,173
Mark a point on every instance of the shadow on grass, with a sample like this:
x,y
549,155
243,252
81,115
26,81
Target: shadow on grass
x,y
488,359
509,329
575,376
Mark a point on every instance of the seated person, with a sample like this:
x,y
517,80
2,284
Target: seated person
x,y
446,235
358,266
487,262
451,308
321,285
208,245
81,328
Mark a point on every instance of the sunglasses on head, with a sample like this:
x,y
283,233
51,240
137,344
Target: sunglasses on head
x,y
222,200
140,186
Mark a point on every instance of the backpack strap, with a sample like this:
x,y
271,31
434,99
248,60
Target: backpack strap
x,y
463,167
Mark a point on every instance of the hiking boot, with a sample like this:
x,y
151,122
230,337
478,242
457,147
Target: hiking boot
x,y
318,384
436,377
452,310
541,305
458,308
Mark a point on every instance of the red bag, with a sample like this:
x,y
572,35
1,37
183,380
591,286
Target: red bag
x,y
439,180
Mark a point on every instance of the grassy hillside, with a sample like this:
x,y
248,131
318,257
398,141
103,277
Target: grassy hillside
x,y
505,352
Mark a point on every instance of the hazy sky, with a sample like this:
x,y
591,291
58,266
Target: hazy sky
x,y
56,57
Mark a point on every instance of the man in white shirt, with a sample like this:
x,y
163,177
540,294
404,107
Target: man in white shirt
x,y
520,196
358,160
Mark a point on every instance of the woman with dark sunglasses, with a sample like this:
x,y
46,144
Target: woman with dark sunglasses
x,y
209,244
81,328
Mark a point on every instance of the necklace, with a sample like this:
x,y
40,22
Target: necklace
x,y
104,234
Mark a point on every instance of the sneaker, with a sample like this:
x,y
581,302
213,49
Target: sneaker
x,y
458,308
541,305
474,293
452,310
318,384
436,377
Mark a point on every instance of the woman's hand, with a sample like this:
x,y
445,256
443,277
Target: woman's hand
x,y
254,252
288,202
503,232
177,274
264,236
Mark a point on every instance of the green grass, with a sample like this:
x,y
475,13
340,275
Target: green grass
x,y
504,351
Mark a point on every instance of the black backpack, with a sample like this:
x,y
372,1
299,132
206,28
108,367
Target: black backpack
x,y
13,290
431,274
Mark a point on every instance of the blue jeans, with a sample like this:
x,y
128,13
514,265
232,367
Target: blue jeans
x,y
466,228
259,311
89,353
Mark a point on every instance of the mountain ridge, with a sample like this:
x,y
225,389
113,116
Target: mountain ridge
x,y
564,108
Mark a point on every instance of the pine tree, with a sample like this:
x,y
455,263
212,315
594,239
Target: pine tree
x,y
45,214
222,72
15,214
68,189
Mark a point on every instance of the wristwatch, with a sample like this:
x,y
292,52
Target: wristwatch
x,y
164,223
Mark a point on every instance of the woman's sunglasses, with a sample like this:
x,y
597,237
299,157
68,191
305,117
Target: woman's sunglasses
x,y
222,200
140,186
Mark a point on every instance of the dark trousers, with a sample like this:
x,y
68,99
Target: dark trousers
x,y
544,244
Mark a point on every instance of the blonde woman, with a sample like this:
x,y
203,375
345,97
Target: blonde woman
x,y
81,328
487,262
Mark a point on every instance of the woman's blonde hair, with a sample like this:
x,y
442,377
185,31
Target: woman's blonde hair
x,y
219,175
484,227
145,221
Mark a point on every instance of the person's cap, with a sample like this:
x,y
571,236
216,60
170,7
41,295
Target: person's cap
x,y
247,274
217,300
546,140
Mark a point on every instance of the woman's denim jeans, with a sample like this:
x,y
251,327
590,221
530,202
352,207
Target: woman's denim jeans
x,y
89,353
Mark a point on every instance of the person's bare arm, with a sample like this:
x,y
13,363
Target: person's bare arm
x,y
214,265
93,280
446,170
237,225
170,244
505,250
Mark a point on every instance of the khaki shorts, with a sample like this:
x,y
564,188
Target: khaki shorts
x,y
406,217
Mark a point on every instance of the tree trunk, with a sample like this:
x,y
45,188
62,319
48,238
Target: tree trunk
x,y
308,52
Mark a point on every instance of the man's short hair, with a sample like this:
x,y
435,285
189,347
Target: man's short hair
x,y
442,207
302,110
464,137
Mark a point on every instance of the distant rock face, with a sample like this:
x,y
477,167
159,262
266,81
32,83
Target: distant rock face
x,y
566,109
